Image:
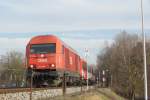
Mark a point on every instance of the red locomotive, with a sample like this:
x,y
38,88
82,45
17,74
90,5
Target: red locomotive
x,y
49,58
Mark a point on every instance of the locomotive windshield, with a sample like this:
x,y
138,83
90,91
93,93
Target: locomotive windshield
x,y
43,48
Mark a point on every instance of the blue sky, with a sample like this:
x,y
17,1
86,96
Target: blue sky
x,y
80,23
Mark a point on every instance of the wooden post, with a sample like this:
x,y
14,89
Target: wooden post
x,y
64,83
81,84
31,83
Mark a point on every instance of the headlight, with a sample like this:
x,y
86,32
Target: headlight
x,y
31,66
42,55
52,65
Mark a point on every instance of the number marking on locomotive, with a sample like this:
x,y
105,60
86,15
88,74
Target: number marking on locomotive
x,y
42,60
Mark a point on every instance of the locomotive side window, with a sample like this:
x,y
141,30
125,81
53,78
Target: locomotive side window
x,y
43,48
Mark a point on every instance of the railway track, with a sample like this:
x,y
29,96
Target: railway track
x,y
14,90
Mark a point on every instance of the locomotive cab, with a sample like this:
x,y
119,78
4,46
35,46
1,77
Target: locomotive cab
x,y
42,56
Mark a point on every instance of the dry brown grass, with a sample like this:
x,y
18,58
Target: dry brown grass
x,y
103,94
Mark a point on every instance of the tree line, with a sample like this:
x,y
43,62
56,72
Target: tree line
x,y
12,69
124,59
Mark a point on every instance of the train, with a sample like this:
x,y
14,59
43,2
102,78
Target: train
x,y
48,59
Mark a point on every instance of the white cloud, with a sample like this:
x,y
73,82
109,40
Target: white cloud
x,y
56,15
87,43
9,44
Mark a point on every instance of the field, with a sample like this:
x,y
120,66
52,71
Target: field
x,y
99,94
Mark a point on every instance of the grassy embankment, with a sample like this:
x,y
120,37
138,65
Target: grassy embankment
x,y
99,94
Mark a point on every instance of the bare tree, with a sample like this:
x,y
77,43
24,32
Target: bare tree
x,y
124,59
13,65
